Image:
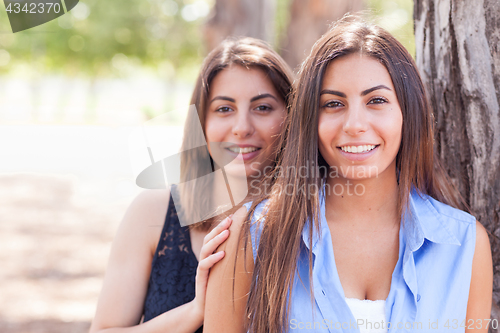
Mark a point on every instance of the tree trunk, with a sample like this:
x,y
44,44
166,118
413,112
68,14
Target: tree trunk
x,y
458,55
252,18
309,20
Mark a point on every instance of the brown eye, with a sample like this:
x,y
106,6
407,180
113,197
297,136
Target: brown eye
x,y
223,109
263,108
378,100
332,104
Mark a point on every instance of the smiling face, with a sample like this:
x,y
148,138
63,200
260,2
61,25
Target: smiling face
x,y
360,121
245,112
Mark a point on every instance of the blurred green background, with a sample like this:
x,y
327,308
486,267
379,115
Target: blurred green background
x,y
163,35
148,39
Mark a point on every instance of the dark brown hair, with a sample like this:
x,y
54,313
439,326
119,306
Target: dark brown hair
x,y
275,267
249,53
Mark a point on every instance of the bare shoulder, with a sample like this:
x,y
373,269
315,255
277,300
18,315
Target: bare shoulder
x,y
482,239
239,218
481,285
234,230
482,265
145,217
229,282
151,201
126,281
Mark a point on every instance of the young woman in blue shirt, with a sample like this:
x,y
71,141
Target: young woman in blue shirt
x,y
359,209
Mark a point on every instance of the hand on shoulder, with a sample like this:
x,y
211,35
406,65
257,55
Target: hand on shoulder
x,y
225,301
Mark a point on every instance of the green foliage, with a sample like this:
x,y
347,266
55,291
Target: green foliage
x,y
113,37
109,37
396,16
281,21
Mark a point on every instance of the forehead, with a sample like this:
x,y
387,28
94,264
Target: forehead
x,y
239,81
356,71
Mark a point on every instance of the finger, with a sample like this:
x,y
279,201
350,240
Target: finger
x,y
224,224
209,248
207,263
202,273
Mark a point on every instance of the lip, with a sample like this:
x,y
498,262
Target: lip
x,y
240,145
357,144
358,156
245,156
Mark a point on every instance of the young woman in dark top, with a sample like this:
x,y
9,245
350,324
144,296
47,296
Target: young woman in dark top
x,y
158,269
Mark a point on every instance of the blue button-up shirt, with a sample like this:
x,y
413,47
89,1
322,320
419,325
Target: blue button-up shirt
x,y
430,283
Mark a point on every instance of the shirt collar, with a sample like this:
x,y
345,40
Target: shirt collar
x,y
322,226
422,222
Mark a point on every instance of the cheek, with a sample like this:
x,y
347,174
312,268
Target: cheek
x,y
397,126
213,133
390,130
210,134
214,130
271,127
326,132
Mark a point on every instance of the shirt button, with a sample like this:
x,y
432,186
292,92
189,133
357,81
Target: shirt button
x,y
418,297
323,292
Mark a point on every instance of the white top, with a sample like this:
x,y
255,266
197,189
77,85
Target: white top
x,y
369,315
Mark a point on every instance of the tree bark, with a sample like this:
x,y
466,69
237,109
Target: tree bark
x,y
458,55
251,18
309,20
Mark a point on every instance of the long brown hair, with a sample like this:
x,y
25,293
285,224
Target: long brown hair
x,y
268,305
249,53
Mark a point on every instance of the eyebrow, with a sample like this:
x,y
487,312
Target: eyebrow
x,y
363,93
380,86
253,99
224,98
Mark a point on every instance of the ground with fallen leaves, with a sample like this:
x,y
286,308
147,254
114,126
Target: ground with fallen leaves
x,y
55,236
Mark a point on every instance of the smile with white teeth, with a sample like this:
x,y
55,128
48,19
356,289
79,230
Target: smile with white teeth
x,y
243,150
357,149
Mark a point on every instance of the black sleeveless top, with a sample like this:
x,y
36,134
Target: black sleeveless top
x,y
173,271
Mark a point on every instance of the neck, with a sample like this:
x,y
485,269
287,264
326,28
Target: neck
x,y
237,187
363,203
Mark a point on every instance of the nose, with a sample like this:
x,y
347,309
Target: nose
x,y
355,121
243,126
